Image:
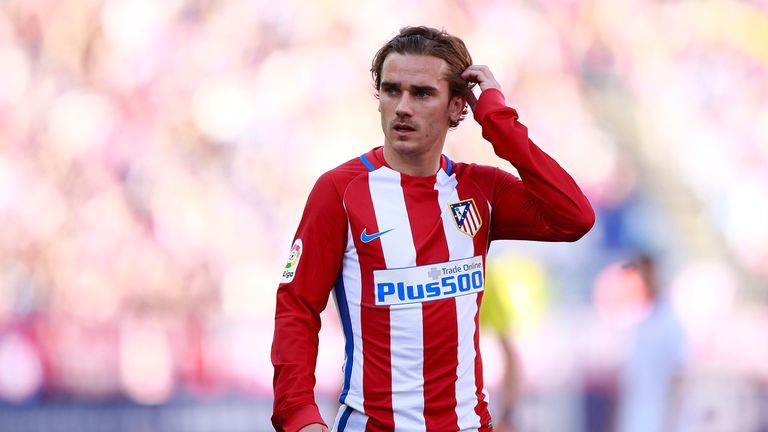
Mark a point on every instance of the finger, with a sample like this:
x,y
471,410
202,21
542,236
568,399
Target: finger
x,y
477,76
477,69
472,74
474,79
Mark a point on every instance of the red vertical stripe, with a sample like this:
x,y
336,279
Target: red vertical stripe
x,y
374,320
439,317
473,220
482,405
469,224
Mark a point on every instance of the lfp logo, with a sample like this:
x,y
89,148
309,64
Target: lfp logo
x,y
293,262
428,282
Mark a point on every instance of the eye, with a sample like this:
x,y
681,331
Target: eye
x,y
391,91
421,93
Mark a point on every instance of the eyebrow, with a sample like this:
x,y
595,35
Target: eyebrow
x,y
413,88
425,89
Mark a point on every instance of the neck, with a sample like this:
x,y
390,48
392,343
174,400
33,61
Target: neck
x,y
413,164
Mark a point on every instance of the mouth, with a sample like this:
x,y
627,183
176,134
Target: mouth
x,y
403,128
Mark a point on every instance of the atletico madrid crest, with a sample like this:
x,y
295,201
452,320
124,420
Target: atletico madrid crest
x,y
466,216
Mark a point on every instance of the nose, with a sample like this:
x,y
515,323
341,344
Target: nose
x,y
404,108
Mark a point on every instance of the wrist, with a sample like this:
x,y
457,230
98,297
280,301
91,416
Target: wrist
x,y
302,417
491,99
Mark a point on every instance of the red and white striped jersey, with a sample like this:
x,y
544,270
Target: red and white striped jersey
x,y
405,259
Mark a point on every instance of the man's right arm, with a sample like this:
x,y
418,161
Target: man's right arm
x,y
311,271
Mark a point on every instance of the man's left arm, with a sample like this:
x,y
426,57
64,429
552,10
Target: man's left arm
x,y
547,204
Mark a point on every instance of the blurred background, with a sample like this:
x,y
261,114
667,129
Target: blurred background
x,y
155,157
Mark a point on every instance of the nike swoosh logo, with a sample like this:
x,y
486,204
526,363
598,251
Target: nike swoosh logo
x,y
368,238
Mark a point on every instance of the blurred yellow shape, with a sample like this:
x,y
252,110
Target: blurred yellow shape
x,y
515,294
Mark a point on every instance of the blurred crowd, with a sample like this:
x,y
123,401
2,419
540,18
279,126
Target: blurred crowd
x,y
155,157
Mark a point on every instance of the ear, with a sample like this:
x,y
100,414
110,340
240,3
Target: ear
x,y
456,106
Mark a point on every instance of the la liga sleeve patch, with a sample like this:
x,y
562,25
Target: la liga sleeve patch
x,y
289,272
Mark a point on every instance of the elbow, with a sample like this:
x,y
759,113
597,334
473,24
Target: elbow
x,y
580,225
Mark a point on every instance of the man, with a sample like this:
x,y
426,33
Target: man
x,y
400,234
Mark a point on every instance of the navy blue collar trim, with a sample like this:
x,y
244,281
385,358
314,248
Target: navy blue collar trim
x,y
449,165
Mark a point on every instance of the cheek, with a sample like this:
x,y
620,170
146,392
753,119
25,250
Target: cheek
x,y
432,128
384,107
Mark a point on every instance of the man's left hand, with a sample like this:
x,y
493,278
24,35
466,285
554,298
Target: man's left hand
x,y
481,75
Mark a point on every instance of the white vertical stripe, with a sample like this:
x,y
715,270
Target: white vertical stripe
x,y
466,385
471,223
356,421
465,224
339,413
352,289
474,218
406,327
461,246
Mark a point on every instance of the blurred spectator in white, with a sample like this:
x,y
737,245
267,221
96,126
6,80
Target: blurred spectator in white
x,y
652,376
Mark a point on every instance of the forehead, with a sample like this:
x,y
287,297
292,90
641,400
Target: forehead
x,y
414,69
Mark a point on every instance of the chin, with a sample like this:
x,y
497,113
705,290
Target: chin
x,y
405,145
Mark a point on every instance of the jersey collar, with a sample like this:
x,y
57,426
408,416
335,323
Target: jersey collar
x,y
374,159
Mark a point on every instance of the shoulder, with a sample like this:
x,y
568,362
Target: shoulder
x,y
489,179
338,178
478,172
326,200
